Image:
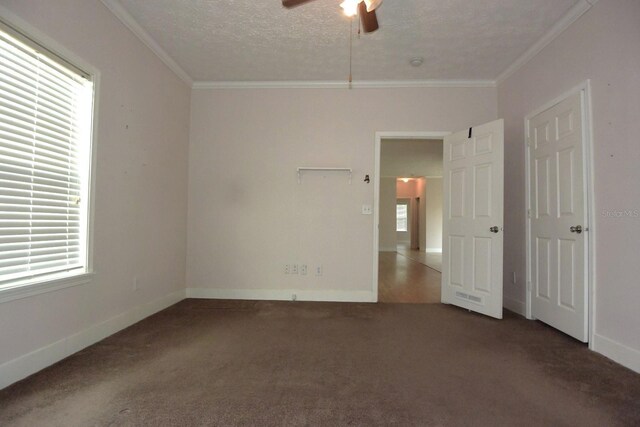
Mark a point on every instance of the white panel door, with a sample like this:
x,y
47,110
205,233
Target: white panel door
x,y
558,218
473,219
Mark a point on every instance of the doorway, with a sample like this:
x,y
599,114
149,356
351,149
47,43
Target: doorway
x,y
408,238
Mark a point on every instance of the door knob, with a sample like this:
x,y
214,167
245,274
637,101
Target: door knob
x,y
494,229
576,229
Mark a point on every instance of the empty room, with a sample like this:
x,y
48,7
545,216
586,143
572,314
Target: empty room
x,y
200,223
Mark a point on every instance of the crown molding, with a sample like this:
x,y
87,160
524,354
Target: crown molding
x,y
120,12
338,84
558,28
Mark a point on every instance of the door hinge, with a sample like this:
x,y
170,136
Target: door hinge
x,y
528,213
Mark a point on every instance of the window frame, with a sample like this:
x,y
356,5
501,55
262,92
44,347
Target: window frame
x,y
405,203
27,287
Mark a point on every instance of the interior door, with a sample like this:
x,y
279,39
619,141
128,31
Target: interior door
x,y
558,217
473,219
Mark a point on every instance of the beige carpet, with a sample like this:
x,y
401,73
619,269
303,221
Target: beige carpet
x,y
219,363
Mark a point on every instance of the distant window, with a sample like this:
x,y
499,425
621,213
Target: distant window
x,y
45,129
401,217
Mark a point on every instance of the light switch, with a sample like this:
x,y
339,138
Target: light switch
x,y
367,210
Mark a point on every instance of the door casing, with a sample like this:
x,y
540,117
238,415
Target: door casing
x,y
585,88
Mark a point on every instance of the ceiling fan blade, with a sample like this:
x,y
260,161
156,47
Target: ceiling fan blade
x,y
369,19
293,3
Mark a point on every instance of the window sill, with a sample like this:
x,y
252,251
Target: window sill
x,y
50,284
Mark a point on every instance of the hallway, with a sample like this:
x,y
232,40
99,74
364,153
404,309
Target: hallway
x,y
430,259
404,280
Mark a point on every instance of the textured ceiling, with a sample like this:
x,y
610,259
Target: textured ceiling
x,y
259,40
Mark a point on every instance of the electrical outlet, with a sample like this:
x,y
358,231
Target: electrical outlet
x,y
303,269
287,269
294,269
319,270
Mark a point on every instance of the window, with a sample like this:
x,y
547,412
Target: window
x,y
401,217
45,136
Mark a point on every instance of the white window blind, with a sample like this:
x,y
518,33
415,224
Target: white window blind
x,y
401,217
45,121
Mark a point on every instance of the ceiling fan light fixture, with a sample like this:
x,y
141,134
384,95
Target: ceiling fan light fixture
x,y
350,7
372,4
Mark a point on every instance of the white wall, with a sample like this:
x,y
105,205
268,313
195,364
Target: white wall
x,y
603,45
140,194
406,190
411,157
387,218
433,211
245,147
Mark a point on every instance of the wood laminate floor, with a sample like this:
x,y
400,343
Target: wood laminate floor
x,y
430,259
401,279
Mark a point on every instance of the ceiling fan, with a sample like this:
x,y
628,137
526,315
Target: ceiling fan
x,y
365,8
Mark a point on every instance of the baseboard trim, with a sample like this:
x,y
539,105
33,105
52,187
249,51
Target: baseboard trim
x,y
620,353
514,305
433,250
282,295
30,363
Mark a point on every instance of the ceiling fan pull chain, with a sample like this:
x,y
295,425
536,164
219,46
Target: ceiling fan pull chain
x,y
350,51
